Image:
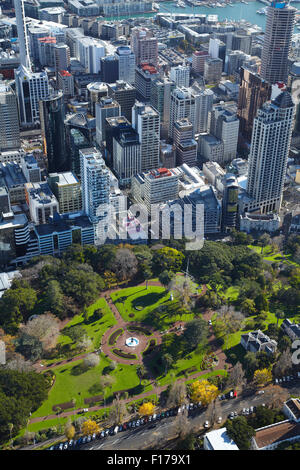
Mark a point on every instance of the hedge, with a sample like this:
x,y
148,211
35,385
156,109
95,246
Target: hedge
x,y
120,353
114,335
141,329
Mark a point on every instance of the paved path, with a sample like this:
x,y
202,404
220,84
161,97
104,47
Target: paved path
x,y
156,390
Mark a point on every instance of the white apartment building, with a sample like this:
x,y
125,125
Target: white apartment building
x,y
204,100
9,119
180,75
41,201
126,59
182,106
146,122
224,124
90,51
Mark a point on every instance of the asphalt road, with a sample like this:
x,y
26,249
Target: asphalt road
x,y
144,438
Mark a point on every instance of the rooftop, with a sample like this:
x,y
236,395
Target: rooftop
x,y
276,433
219,440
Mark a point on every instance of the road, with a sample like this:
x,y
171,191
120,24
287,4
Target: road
x,y
144,438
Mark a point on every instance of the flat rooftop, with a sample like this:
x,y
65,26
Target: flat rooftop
x,y
219,440
276,433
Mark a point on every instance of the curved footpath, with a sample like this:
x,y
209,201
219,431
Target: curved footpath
x,y
156,390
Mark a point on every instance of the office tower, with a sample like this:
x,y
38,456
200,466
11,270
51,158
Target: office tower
x,y
160,99
253,93
31,169
213,70
224,124
144,46
126,60
67,190
234,61
90,51
146,122
213,48
167,154
230,203
204,100
124,94
109,69
106,108
75,141
145,74
61,57
52,111
277,42
41,202
242,42
9,119
113,127
186,146
22,34
269,151
126,155
182,106
95,185
65,83
155,187
31,88
180,75
4,201
198,61
46,47
95,91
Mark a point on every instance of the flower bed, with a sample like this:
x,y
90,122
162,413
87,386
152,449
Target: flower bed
x,y
140,329
114,335
150,347
123,354
63,406
94,399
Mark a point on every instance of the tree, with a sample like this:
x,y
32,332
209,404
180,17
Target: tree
x,y
264,241
177,394
141,372
92,360
43,327
276,396
76,333
54,299
279,314
117,412
90,427
29,346
69,430
195,333
248,307
85,343
82,284
168,361
168,259
183,288
146,409
187,443
165,277
262,377
19,363
228,321
237,376
240,432
283,364
125,264
204,392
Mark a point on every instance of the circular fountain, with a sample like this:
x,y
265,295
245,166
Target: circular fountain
x,y
132,342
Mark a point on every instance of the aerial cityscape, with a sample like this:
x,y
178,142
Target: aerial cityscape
x,y
149,227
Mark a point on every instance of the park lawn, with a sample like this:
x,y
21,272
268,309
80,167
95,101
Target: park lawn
x,y
147,299
209,374
68,386
96,329
192,360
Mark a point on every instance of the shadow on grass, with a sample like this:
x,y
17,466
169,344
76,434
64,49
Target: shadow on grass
x,y
235,354
77,370
148,299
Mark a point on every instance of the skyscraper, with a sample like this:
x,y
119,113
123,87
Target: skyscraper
x,y
22,34
253,93
146,122
145,46
52,113
182,106
9,119
270,145
126,64
277,42
180,75
186,146
109,72
224,124
160,99
204,100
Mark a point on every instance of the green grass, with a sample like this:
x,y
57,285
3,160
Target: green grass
x,y
94,329
68,386
209,374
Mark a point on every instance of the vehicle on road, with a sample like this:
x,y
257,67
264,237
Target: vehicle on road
x,y
219,421
206,424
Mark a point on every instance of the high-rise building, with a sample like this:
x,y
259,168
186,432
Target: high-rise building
x,y
67,190
65,83
41,202
182,106
126,64
180,75
109,71
230,203
61,57
224,124
198,61
160,99
213,70
269,151
145,74
146,122
22,34
186,146
46,47
113,127
277,42
204,100
124,94
213,48
95,186
253,93
90,51
145,46
9,119
106,108
242,42
126,155
52,110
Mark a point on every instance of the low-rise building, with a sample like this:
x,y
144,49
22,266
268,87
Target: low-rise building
x,y
250,221
256,341
292,330
218,440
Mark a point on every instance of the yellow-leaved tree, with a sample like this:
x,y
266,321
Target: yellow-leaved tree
x,y
262,376
203,391
89,427
146,409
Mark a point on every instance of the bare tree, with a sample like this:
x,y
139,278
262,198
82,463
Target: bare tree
x,y
19,363
236,377
125,264
43,327
92,360
118,411
213,412
181,424
85,343
228,320
177,394
276,396
183,288
284,363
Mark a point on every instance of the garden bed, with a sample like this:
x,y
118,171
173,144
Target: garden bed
x,y
63,406
94,399
150,347
123,354
140,329
114,335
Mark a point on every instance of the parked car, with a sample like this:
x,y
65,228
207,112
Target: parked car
x,y
116,429
260,392
206,424
219,421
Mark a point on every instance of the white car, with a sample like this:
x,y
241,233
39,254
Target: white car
x,y
116,429
261,392
219,420
206,424
85,410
